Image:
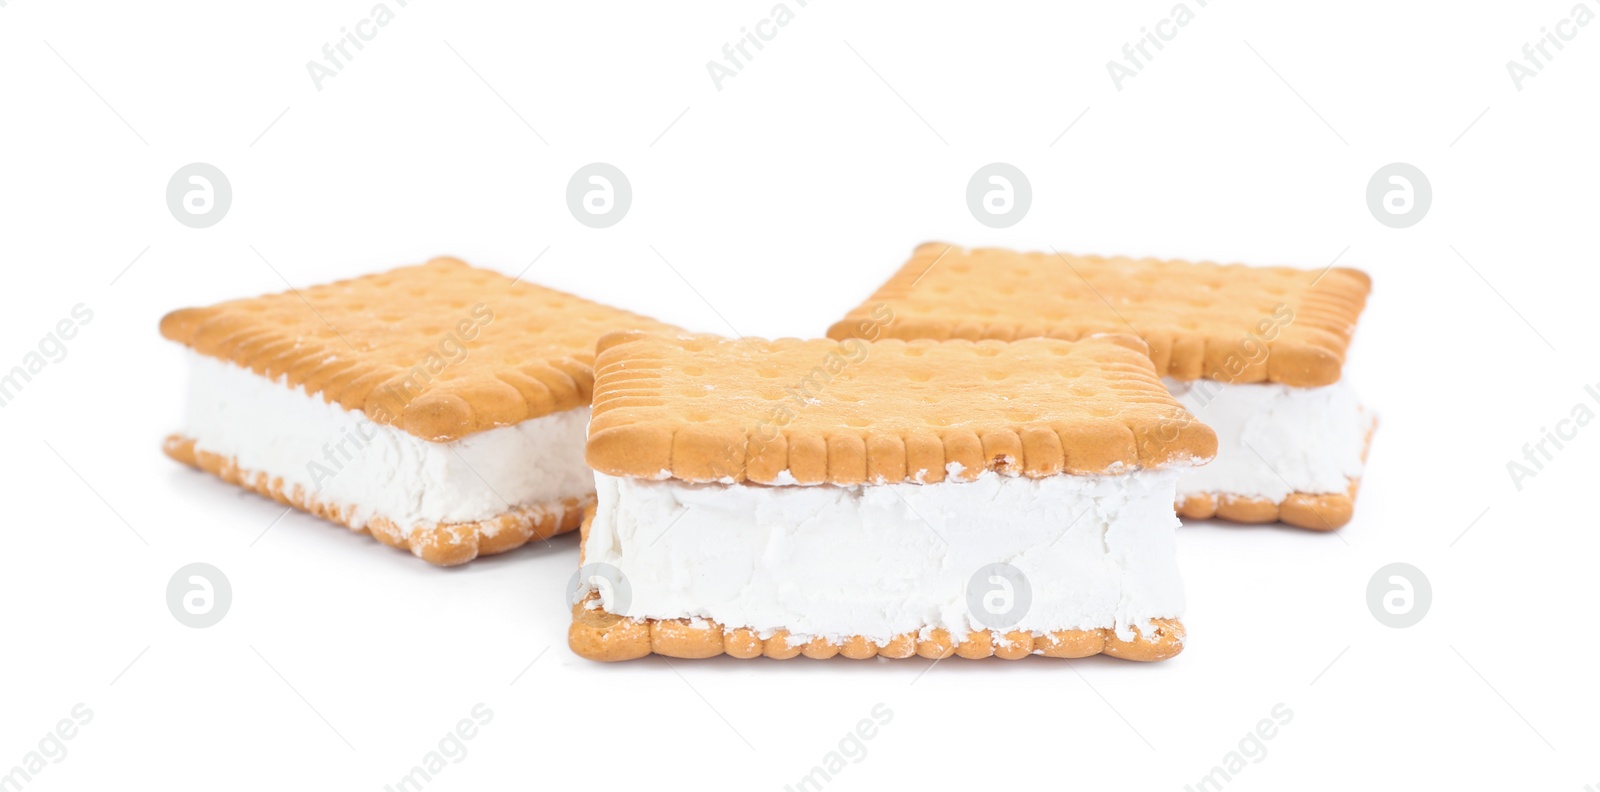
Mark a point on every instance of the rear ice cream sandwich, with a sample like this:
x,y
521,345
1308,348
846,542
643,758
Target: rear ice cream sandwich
x,y
439,407
1257,353
827,498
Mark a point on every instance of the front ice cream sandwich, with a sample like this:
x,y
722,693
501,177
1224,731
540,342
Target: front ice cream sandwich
x,y
779,498
440,407
1257,353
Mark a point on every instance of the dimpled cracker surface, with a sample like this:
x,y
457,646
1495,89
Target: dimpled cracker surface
x,y
1227,322
387,345
704,409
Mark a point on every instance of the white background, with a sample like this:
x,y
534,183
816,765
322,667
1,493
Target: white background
x,y
780,201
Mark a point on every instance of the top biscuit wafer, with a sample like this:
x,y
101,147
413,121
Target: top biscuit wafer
x,y
1227,322
703,409
439,350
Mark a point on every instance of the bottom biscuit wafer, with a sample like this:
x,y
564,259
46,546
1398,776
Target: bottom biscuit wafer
x,y
446,544
1316,512
607,637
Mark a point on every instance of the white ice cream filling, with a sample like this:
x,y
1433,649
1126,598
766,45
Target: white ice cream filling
x,y
884,560
341,457
1274,440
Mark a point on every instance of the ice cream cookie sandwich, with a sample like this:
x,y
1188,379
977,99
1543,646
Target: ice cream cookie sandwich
x,y
1257,353
440,407
818,497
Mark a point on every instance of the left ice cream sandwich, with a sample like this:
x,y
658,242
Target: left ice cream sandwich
x,y
440,407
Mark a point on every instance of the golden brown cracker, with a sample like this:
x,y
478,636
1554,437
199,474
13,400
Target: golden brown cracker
x,y
1232,323
1317,512
704,409
606,637
439,350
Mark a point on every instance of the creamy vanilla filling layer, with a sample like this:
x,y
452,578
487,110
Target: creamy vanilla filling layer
x,y
1274,440
343,458
883,560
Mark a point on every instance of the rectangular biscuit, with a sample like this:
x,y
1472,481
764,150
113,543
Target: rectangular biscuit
x,y
439,406
1232,322
704,409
